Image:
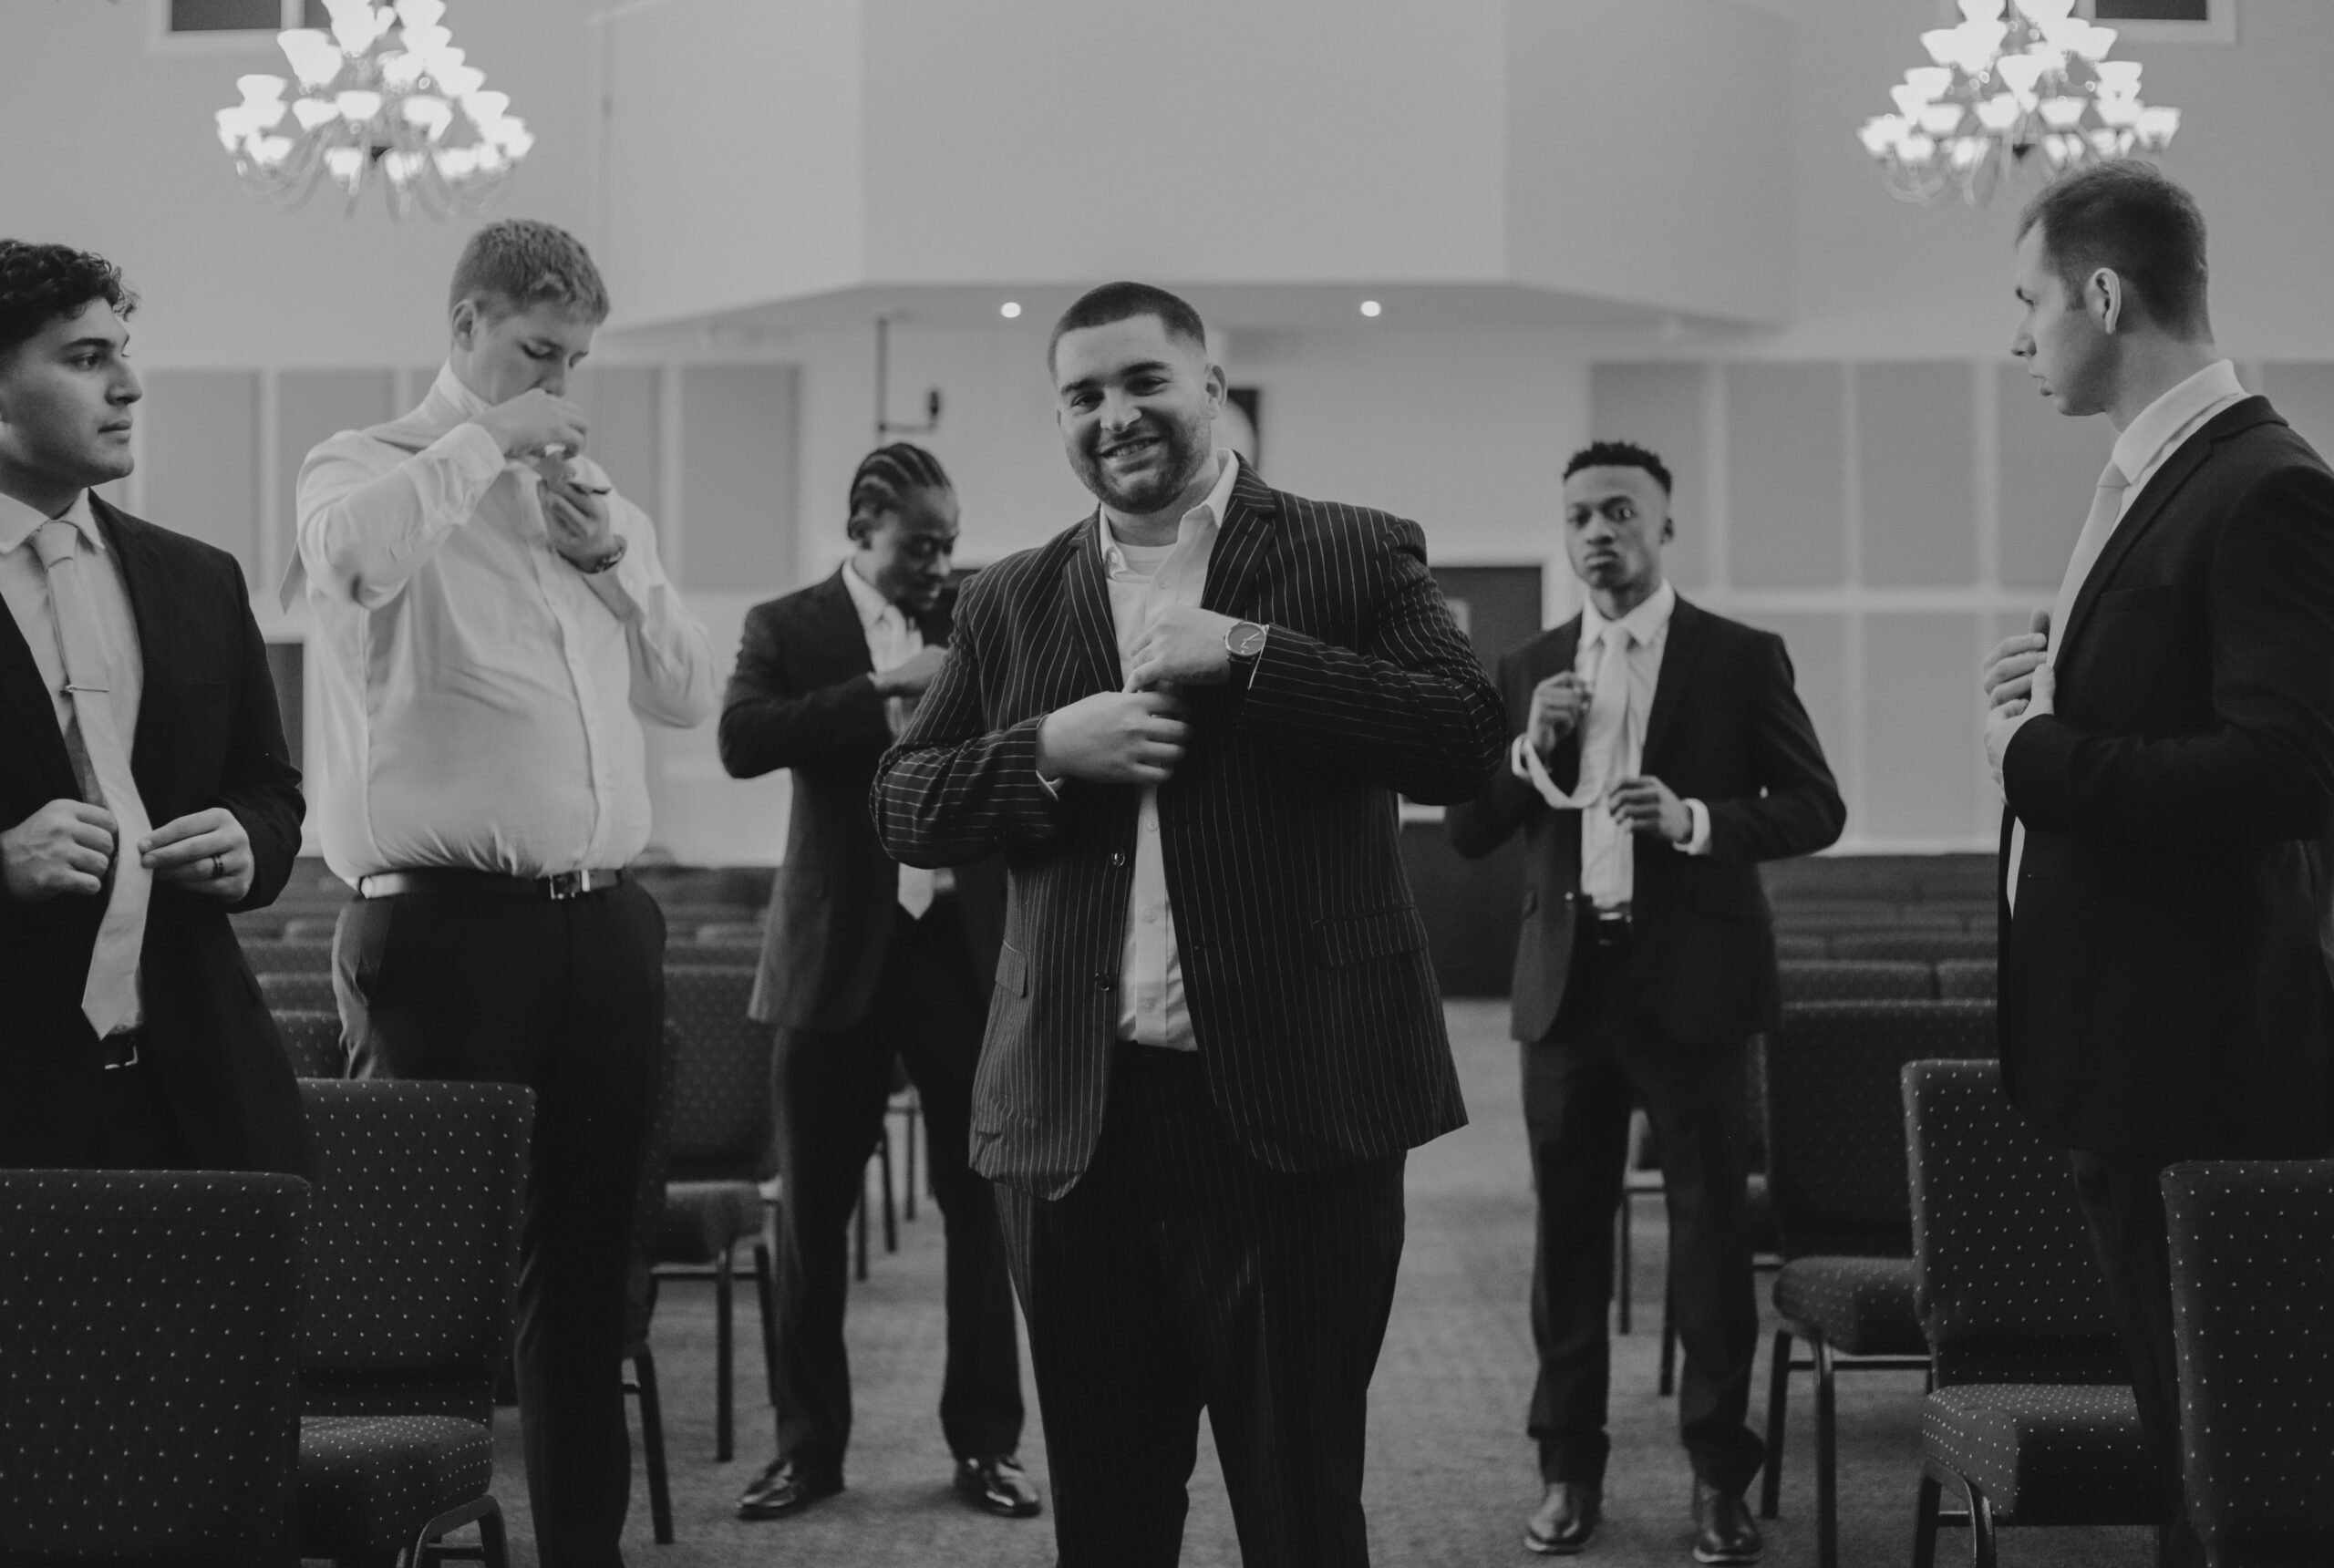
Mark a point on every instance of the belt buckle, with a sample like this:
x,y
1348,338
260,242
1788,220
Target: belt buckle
x,y
562,885
129,1061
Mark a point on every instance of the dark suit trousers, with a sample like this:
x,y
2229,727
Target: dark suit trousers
x,y
1579,1084
829,1087
568,998
1178,1275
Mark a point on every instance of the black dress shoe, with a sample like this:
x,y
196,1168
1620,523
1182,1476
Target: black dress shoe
x,y
1724,1531
996,1483
1566,1519
784,1488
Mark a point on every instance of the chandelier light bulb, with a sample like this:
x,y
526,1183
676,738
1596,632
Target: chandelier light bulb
x,y
1982,10
315,59
1910,99
421,13
2045,12
486,106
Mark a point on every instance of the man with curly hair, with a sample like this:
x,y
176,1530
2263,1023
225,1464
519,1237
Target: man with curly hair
x,y
144,790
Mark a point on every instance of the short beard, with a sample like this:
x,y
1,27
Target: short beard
x,y
1187,452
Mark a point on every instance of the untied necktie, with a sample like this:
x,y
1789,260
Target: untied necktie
x,y
918,885
1607,871
109,998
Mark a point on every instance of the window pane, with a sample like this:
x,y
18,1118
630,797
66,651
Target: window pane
x,y
226,15
2112,11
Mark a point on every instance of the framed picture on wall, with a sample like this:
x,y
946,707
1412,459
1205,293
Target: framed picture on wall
x,y
2164,21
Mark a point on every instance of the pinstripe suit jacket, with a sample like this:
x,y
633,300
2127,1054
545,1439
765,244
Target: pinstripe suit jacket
x,y
1304,963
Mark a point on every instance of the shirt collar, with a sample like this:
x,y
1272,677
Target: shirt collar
x,y
2148,438
1644,622
18,522
866,598
1204,518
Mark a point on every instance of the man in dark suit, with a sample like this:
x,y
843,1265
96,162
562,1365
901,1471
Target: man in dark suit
x,y
1660,753
866,962
2165,740
1216,1032
144,785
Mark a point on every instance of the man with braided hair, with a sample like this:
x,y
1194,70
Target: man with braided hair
x,y
865,962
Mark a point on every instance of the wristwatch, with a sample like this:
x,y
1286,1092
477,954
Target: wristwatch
x,y
606,562
1243,640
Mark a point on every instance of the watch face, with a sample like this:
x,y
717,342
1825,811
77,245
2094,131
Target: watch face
x,y
1247,640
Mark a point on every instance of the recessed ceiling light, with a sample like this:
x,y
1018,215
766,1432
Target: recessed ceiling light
x,y
1370,307
1010,309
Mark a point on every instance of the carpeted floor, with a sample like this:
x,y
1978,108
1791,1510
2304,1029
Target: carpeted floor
x,y
1452,1477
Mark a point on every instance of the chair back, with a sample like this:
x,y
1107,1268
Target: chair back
x,y
413,1246
720,1124
2253,1313
2008,1289
1915,947
282,957
312,1039
149,1326
1846,980
1976,979
290,990
1835,1117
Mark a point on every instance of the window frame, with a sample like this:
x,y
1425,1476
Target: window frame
x,y
160,39
2219,26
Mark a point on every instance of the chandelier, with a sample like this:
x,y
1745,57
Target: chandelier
x,y
2025,86
385,99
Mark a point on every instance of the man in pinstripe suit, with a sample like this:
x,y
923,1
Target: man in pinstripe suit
x,y
1215,1032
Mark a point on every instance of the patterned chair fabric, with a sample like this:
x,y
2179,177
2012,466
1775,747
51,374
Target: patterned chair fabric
x,y
2253,1311
1918,946
731,933
312,1039
279,957
150,1329
1847,980
2045,1453
1835,1120
1861,1306
721,1117
1975,979
296,991
374,1478
1796,946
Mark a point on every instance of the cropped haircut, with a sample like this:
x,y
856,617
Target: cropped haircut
x,y
39,283
2131,217
886,476
1619,455
516,263
1124,301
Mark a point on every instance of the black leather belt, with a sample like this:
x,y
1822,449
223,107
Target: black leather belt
x,y
119,1050
487,884
1608,927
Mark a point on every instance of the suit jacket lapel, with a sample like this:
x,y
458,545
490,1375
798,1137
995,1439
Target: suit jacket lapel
x,y
840,629
1678,657
2149,505
25,698
1241,544
141,582
1085,593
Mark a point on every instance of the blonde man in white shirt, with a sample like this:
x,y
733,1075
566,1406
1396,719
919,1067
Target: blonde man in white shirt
x,y
2165,741
491,627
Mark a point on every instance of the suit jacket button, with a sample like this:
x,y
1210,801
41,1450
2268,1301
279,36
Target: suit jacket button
x,y
1101,982
1118,857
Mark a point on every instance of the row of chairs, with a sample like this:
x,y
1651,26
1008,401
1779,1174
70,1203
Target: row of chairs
x,y
198,1361
1887,980
1901,946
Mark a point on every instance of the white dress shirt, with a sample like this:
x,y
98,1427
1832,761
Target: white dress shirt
x,y
1607,849
892,641
23,585
2146,444
1144,581
479,693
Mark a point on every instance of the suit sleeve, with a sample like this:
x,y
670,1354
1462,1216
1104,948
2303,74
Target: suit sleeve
x,y
1479,826
770,721
2265,772
953,791
1409,711
259,784
1796,807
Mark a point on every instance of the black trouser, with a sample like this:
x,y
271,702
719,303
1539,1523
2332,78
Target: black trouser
x,y
1604,1048
829,1087
568,998
1178,1274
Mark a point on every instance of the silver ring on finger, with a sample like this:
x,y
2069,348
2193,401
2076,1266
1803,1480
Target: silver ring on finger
x,y
218,867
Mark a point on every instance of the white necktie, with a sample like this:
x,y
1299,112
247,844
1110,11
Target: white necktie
x,y
109,998
2106,511
918,886
1607,870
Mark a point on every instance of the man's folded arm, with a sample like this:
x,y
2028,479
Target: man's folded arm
x,y
2265,772
1412,711
952,790
1479,826
365,529
770,721
1800,810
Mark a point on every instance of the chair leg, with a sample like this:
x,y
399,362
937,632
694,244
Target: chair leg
x,y
652,1444
765,1289
858,1223
907,1195
725,1359
1777,1408
1981,1529
891,1208
430,1547
1623,1262
1667,1382
1827,1458
493,1546
1925,1522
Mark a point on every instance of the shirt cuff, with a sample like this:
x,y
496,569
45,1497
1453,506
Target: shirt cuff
x,y
472,451
1517,762
1698,842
